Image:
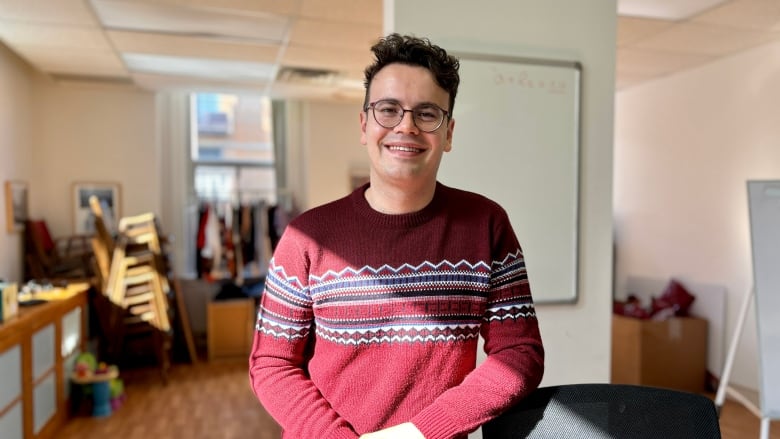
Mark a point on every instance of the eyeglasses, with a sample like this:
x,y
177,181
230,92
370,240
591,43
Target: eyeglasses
x,y
389,114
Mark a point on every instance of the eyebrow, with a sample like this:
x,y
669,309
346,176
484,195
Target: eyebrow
x,y
396,101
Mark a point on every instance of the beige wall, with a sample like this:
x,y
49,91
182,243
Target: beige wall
x,y
88,132
333,149
684,148
16,150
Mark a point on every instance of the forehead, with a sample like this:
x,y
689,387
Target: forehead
x,y
410,85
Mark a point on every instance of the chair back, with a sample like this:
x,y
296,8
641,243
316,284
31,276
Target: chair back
x,y
606,411
102,243
39,247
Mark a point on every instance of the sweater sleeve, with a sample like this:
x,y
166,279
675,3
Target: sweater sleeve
x,y
279,352
515,355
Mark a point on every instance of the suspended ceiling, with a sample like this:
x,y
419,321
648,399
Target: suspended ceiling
x,y
318,48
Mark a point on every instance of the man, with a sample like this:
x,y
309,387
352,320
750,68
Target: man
x,y
373,305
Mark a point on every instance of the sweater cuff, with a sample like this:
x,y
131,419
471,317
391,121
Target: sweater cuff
x,y
435,423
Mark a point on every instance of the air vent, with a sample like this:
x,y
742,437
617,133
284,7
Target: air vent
x,y
301,75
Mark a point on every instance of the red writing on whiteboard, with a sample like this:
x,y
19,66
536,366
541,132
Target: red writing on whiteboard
x,y
525,80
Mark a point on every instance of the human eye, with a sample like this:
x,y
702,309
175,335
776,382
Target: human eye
x,y
427,113
387,108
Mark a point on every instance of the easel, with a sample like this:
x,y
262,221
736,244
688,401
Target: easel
x,y
723,386
764,209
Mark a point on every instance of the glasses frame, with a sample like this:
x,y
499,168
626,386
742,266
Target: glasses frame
x,y
371,106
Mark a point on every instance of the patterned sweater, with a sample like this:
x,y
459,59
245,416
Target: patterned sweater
x,y
370,320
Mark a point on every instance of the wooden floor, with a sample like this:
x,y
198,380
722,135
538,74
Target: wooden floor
x,y
213,401
201,401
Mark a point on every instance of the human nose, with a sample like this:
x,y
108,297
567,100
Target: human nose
x,y
407,124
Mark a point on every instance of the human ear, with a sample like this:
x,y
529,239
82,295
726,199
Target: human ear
x,y
363,121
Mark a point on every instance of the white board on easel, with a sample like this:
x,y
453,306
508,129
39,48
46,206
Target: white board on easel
x,y
764,202
764,209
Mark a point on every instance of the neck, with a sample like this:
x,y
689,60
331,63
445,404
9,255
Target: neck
x,y
395,201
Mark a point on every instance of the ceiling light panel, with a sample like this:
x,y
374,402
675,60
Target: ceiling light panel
x,y
192,47
665,9
184,20
239,71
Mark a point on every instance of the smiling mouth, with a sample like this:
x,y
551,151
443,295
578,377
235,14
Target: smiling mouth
x,y
403,148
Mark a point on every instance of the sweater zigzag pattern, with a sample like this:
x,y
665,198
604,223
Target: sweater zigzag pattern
x,y
430,302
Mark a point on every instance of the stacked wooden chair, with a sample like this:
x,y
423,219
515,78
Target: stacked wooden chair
x,y
134,277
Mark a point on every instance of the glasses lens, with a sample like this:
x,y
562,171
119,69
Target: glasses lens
x,y
388,113
428,117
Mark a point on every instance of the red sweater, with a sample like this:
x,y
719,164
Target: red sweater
x,y
370,320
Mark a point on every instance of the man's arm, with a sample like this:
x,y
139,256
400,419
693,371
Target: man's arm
x,y
515,355
279,354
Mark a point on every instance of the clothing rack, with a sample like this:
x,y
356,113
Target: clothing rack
x,y
235,237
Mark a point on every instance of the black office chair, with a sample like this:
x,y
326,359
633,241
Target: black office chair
x,y
601,411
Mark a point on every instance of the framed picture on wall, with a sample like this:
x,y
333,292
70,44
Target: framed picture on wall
x,y
16,205
109,194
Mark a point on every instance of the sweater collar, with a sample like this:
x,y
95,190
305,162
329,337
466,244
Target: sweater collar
x,y
403,220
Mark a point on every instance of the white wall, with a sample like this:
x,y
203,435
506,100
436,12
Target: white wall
x,y
576,337
684,148
16,154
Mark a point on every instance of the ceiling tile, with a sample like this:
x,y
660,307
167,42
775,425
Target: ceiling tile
x,y
74,12
165,18
51,35
275,7
309,32
745,14
75,61
703,39
196,47
351,11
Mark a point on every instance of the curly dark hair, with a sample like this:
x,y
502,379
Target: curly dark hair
x,y
408,49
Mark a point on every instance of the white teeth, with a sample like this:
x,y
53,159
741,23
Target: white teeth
x,y
404,148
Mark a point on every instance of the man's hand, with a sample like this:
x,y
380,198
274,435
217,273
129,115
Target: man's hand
x,y
406,430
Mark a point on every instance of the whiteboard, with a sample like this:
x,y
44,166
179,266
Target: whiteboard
x,y
517,140
764,205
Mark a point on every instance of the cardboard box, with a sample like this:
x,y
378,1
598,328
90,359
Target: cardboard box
x,y
230,328
668,353
9,303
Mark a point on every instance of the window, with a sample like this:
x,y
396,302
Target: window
x,y
232,147
235,180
